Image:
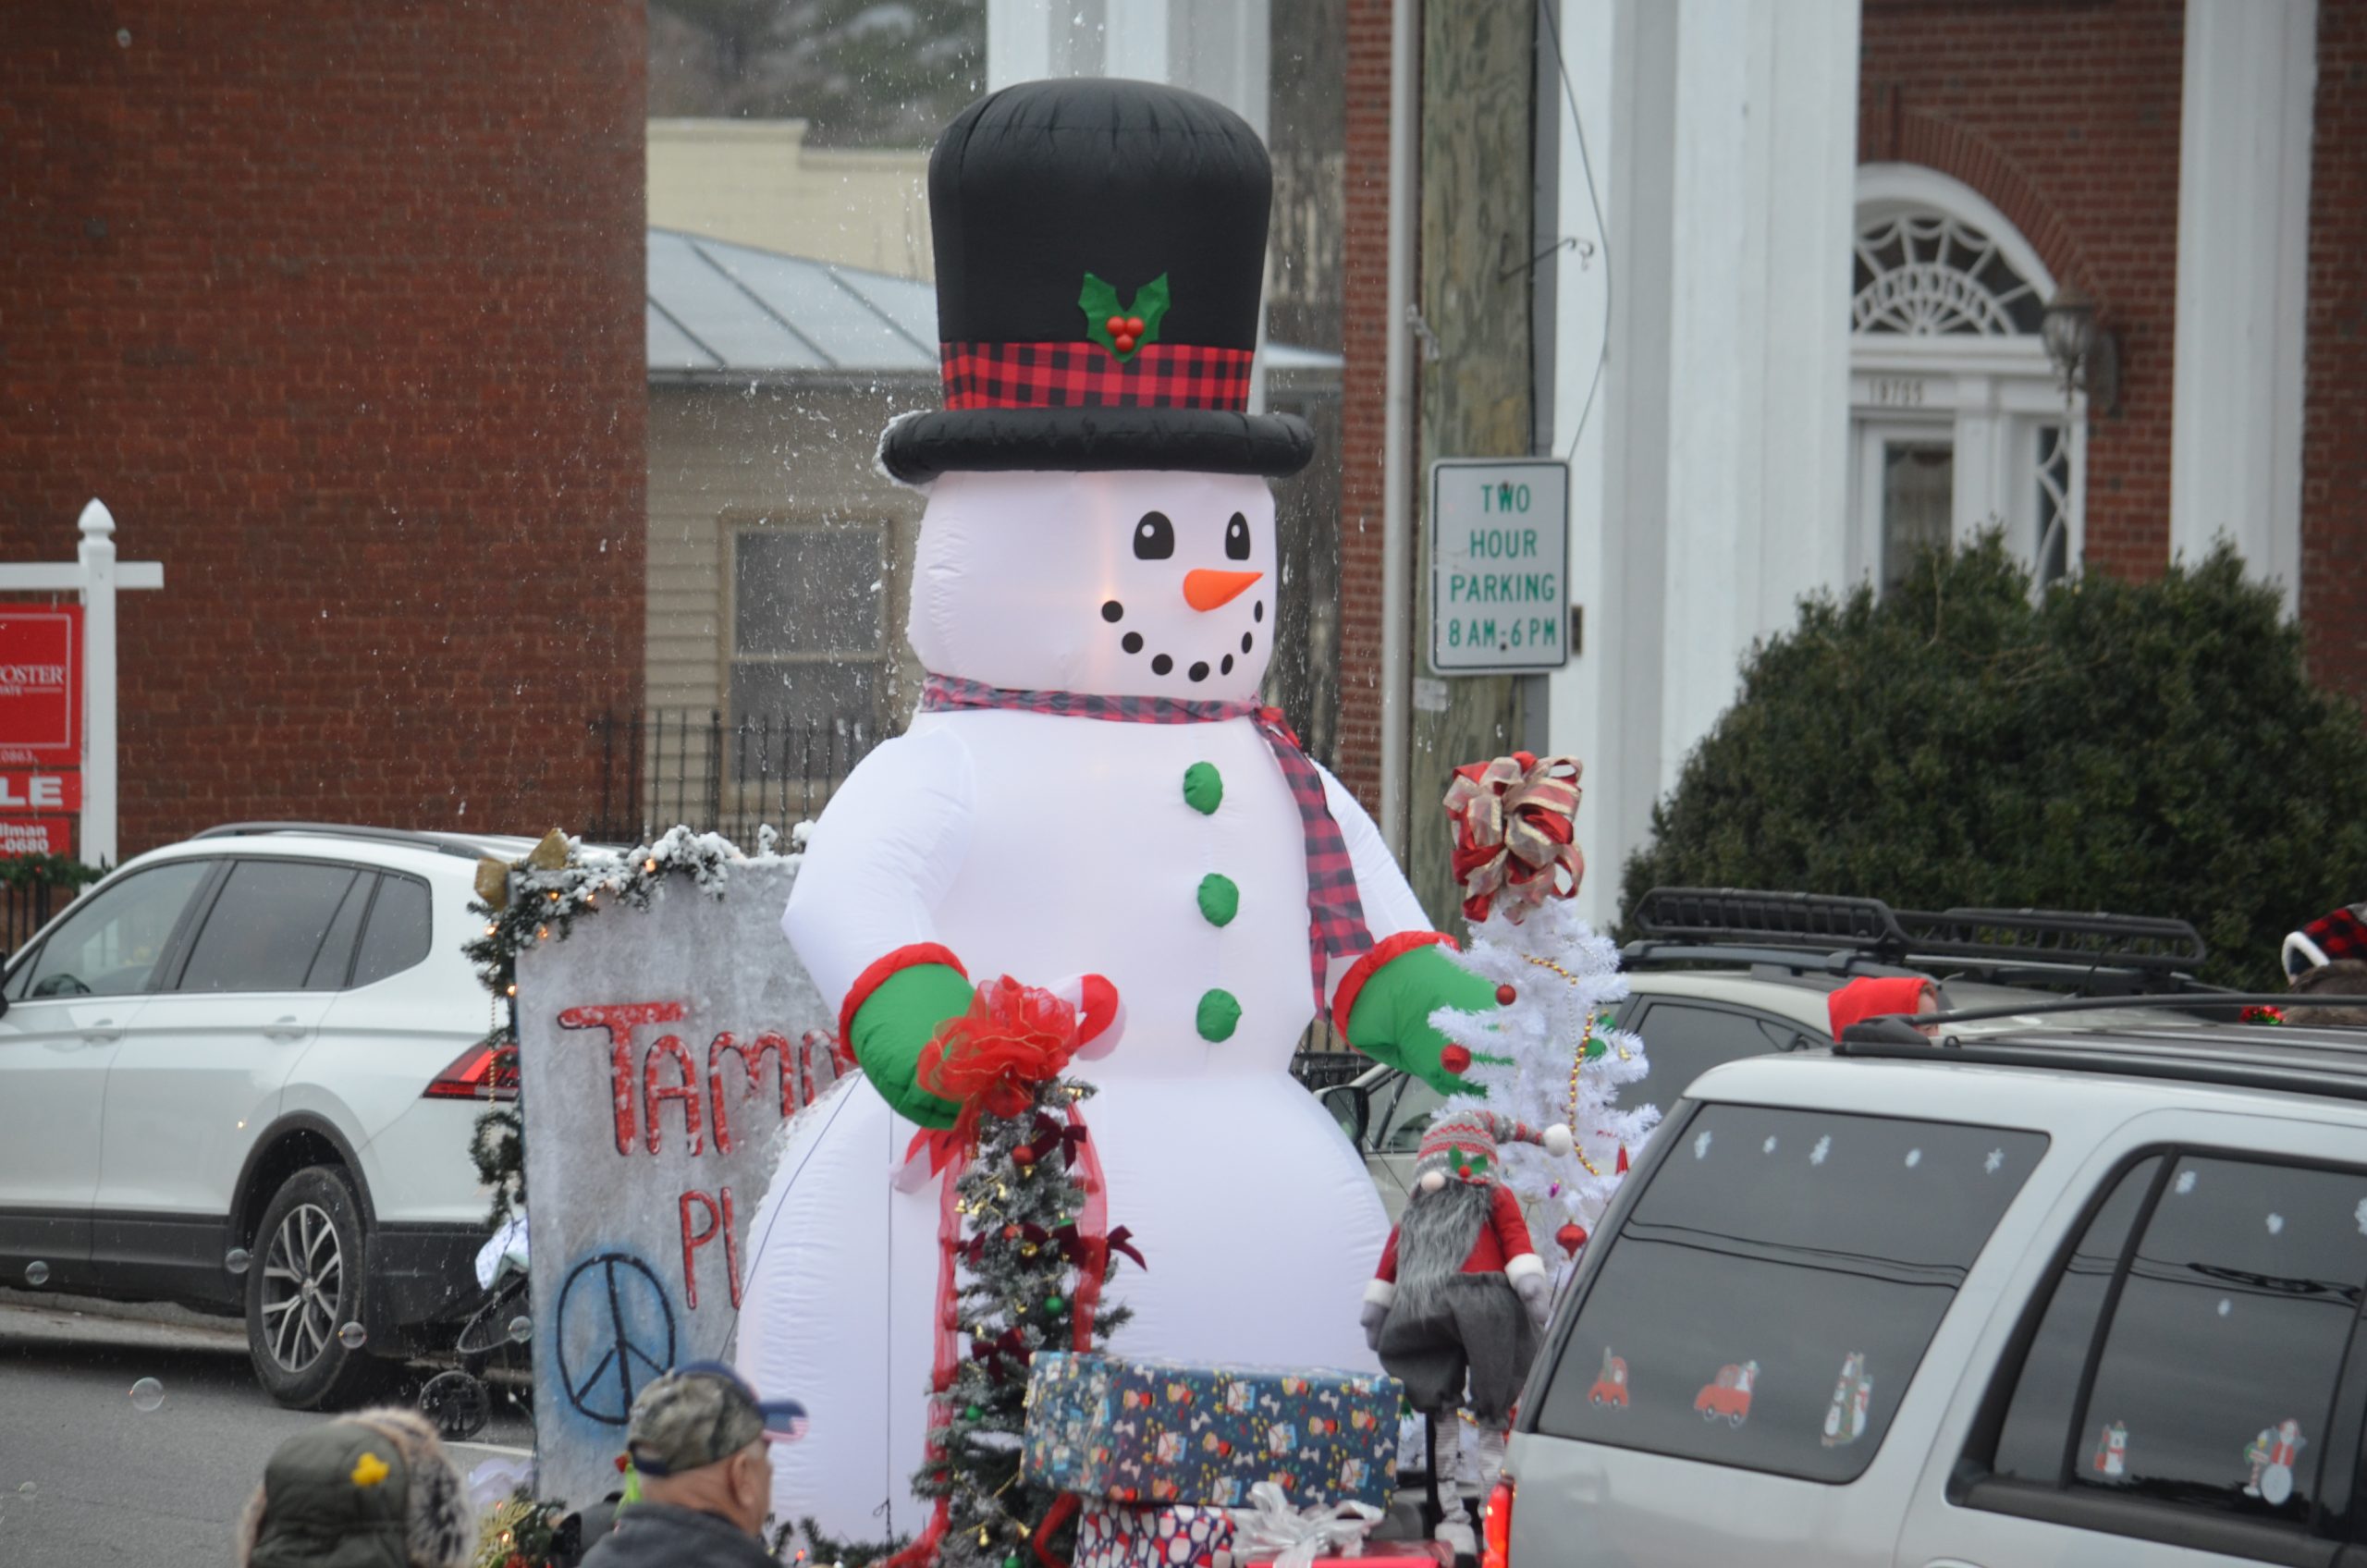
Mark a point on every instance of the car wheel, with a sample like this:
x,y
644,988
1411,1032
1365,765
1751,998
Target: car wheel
x,y
306,1284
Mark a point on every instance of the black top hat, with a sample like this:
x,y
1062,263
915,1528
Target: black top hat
x,y
1100,248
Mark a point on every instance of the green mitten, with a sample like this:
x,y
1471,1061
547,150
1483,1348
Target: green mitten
x,y
894,1023
1390,1018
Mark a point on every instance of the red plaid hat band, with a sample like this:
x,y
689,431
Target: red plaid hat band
x,y
1085,375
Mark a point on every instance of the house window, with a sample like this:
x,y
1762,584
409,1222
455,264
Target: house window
x,y
1959,421
808,634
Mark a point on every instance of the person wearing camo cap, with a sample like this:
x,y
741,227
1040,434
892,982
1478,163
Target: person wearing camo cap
x,y
700,1439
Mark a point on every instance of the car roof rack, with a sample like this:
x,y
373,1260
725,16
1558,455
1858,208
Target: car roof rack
x,y
458,844
1847,935
2293,1059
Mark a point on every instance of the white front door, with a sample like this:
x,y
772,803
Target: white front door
x,y
71,1002
1904,483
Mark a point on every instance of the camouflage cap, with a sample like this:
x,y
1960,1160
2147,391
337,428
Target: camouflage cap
x,y
702,1413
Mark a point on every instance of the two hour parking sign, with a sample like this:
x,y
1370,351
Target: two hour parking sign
x,y
1500,554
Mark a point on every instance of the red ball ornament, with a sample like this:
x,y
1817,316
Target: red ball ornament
x,y
1010,1233
1117,325
1454,1058
1023,1155
1572,1238
1506,995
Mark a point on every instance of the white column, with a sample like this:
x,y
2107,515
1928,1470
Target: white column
x,y
1724,489
96,556
2243,239
1758,337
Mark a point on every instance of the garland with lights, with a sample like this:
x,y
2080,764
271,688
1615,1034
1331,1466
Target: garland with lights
x,y
521,1531
539,899
1026,1251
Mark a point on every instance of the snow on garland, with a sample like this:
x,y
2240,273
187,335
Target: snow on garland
x,y
538,900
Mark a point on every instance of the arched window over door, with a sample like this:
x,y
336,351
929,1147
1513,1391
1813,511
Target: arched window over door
x,y
1959,420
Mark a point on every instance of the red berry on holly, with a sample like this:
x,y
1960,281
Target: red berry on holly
x,y
1454,1058
1126,342
1506,996
1134,326
1117,325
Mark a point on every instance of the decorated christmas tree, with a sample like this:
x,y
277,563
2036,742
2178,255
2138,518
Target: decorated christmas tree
x,y
1026,1251
1548,1053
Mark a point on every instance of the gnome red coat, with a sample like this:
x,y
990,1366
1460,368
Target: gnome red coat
x,y
1454,1307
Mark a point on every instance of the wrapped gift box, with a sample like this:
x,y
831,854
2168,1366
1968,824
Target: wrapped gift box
x,y
1156,1431
1174,1535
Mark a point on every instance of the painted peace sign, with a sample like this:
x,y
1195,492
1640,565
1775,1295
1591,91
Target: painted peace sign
x,y
613,1316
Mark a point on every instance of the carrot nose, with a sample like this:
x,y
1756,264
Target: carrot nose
x,y
1204,590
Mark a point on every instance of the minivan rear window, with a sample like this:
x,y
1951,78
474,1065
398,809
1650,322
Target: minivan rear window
x,y
1770,1294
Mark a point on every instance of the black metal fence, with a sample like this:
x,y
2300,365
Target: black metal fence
x,y
695,766
25,908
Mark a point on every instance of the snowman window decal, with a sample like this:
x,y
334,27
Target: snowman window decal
x,y
1092,800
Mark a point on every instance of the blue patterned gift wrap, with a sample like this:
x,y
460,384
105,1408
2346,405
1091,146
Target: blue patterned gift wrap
x,y
1174,1535
1161,1431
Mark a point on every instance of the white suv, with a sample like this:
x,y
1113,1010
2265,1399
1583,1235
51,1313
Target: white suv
x,y
2053,1295
241,1074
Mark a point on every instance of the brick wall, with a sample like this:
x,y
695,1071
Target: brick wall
x,y
2334,456
1365,344
2065,114
340,309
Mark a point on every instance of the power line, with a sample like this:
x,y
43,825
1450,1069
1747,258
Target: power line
x,y
1570,95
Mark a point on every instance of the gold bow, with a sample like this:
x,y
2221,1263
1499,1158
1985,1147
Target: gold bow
x,y
1516,832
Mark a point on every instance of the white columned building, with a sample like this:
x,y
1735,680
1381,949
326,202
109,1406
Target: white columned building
x,y
1722,491
2243,242
1217,48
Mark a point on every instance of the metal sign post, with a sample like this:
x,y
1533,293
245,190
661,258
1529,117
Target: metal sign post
x,y
95,575
1500,558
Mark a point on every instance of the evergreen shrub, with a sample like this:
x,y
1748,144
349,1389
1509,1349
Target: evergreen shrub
x,y
2146,748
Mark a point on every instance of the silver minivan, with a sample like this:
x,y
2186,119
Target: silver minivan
x,y
2052,1296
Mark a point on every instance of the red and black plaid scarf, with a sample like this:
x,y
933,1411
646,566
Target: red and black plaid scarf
x,y
1335,914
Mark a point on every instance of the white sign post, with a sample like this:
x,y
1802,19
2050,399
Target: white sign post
x,y
1500,557
95,575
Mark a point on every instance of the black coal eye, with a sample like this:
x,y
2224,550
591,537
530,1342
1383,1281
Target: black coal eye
x,y
1154,537
1236,538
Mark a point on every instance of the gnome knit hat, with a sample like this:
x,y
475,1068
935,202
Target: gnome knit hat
x,y
2338,933
1464,1144
371,1491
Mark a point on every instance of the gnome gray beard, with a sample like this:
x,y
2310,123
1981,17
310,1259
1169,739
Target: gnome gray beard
x,y
1434,1240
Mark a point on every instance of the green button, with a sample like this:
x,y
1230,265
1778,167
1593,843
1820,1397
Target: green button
x,y
1202,787
1220,900
1220,1014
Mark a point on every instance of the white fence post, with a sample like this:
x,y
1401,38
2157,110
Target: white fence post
x,y
97,559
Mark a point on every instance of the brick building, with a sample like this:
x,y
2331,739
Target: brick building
x,y
339,310
1834,228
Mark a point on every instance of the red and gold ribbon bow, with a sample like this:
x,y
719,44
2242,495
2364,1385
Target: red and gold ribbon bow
x,y
1516,833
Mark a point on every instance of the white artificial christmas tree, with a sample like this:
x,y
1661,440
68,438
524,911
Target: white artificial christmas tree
x,y
1547,1053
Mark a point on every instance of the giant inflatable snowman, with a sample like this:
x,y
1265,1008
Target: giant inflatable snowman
x,y
1089,789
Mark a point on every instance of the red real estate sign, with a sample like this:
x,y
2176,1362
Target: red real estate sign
x,y
41,687
36,836
40,792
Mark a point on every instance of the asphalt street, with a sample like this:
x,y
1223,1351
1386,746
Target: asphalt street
x,y
87,1477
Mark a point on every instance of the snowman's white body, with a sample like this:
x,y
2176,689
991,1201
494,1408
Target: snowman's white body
x,y
1044,847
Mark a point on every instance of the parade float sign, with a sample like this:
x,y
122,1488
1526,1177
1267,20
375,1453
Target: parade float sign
x,y
660,1052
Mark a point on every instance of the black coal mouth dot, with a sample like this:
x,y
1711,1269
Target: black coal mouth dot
x,y
1164,664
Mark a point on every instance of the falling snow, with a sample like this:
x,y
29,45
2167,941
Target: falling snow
x,y
1702,1144
1824,1148
1914,1158
1769,1148
2276,1224
2184,1183
1995,1162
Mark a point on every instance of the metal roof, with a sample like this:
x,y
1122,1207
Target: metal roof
x,y
720,312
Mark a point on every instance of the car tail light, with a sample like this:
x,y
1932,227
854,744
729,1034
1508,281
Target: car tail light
x,y
481,1072
1496,1528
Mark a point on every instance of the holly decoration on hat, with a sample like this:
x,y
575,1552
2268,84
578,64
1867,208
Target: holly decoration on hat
x,y
1123,328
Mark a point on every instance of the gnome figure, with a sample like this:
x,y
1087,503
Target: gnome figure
x,y
1091,800
1455,1306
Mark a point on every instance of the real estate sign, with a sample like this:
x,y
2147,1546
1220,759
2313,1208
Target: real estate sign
x,y
41,685
1500,554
